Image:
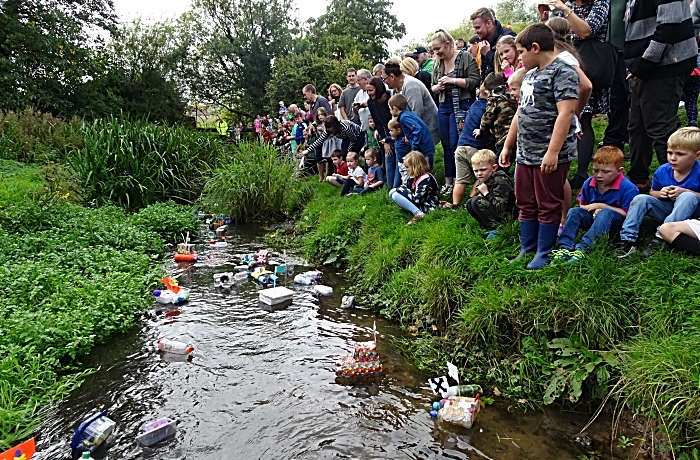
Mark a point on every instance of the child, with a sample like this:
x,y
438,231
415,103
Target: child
x,y
674,191
507,62
422,192
515,82
372,140
605,198
356,178
414,129
468,144
375,173
401,149
682,236
495,201
500,110
341,169
546,141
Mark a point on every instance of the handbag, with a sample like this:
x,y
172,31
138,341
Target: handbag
x,y
598,59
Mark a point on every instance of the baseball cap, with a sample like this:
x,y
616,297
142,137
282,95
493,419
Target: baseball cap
x,y
419,50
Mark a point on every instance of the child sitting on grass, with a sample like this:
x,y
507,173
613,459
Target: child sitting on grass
x,y
605,198
375,173
356,178
494,202
422,193
682,236
414,129
341,169
674,191
401,149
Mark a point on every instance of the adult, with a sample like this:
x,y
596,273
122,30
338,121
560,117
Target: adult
x,y
334,92
222,128
409,66
419,100
315,101
489,30
379,109
588,20
455,79
360,104
660,52
348,96
342,129
460,43
425,62
377,70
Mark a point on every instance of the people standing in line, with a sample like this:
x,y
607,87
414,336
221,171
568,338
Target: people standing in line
x,y
489,31
455,80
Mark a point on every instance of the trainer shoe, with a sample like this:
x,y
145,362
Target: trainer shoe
x,y
560,255
645,187
577,256
654,245
625,249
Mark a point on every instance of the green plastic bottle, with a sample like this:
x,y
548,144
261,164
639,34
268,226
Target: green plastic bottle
x,y
86,455
464,390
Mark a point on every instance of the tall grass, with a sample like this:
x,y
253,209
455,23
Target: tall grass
x,y
32,136
134,163
257,183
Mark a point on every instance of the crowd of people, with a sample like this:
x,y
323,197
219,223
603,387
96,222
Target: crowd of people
x,y
501,98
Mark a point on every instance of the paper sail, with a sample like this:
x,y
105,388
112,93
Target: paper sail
x,y
171,284
439,385
453,372
28,448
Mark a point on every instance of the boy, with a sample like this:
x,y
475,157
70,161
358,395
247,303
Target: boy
x,y
375,174
341,169
546,141
401,149
516,82
468,144
500,110
372,140
495,201
674,192
355,178
414,129
605,198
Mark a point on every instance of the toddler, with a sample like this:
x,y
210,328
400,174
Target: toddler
x,y
375,173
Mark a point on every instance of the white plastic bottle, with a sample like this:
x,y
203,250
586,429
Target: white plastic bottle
x,y
174,346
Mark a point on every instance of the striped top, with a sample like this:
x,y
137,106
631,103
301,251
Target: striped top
x,y
659,39
348,131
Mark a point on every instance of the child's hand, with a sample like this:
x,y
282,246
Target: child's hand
x,y
664,192
504,159
476,132
549,163
483,189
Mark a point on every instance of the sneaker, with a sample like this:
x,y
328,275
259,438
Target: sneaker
x,y
693,123
560,255
577,256
645,187
416,218
446,189
626,249
351,194
492,234
654,245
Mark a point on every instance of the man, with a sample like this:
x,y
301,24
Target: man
x,y
347,97
419,99
315,101
222,128
660,52
424,61
377,70
360,104
460,44
489,30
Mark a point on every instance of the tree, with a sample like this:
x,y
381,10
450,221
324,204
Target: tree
x,y
238,41
45,50
362,25
516,13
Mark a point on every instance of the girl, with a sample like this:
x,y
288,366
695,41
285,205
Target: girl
x,y
508,60
329,146
422,193
334,92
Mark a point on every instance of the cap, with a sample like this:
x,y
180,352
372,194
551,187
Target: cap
x,y
419,50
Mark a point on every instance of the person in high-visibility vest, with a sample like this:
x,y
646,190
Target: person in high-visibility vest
x,y
222,127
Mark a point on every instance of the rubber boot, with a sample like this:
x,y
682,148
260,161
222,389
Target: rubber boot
x,y
528,238
546,240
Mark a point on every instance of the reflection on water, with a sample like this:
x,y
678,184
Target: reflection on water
x,y
261,384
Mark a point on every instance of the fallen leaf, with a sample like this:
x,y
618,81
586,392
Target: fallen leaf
x,y
496,391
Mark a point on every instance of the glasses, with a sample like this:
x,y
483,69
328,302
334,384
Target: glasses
x,y
382,77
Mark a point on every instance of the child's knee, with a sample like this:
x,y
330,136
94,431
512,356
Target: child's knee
x,y
687,198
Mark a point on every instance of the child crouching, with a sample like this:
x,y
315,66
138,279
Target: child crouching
x,y
495,201
422,193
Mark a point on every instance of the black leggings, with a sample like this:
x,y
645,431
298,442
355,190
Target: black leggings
x,y
585,145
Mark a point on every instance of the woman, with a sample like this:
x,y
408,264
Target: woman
x,y
409,66
342,129
455,79
334,92
331,144
588,20
379,109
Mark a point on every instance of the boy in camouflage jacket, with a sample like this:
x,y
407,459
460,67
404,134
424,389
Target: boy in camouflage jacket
x,y
493,200
500,110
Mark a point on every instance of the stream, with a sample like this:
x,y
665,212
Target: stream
x,y
262,385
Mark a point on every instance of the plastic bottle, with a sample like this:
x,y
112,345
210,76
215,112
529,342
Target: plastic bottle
x,y
86,455
19,455
174,346
464,390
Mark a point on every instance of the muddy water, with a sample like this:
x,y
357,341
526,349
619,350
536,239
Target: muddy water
x,y
262,385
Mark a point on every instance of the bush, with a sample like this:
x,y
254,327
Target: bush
x,y
168,220
258,183
32,136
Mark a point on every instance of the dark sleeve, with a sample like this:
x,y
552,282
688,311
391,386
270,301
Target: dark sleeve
x,y
319,141
500,194
490,115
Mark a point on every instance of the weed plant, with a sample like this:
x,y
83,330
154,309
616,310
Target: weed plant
x,y
70,278
258,183
32,136
540,336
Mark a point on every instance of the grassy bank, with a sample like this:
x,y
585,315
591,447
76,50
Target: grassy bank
x,y
70,278
570,333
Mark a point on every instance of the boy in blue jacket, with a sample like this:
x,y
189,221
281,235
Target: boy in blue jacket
x,y
415,131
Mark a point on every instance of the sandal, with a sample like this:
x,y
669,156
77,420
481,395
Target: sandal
x,y
416,218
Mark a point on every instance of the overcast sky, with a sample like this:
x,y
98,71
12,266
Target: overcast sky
x,y
417,15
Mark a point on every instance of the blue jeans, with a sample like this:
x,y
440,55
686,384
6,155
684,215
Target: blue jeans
x,y
404,203
685,207
606,221
391,171
449,134
397,176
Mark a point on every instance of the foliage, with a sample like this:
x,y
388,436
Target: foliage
x,y
134,164
258,183
32,136
67,282
516,13
167,220
355,25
